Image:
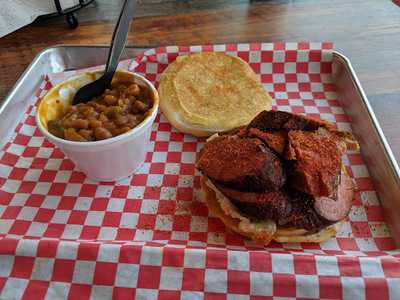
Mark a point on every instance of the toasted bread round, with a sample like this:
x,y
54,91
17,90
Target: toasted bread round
x,y
222,208
210,92
318,237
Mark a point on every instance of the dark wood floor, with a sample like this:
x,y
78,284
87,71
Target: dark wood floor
x,y
96,24
367,31
103,10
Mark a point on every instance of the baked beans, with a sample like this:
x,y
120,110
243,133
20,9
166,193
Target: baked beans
x,y
115,112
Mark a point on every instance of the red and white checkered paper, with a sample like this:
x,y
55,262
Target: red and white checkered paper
x,y
151,236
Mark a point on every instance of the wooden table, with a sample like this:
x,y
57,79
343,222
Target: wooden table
x,y
366,31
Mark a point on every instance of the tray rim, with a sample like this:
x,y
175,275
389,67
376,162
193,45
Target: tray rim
x,y
371,114
392,162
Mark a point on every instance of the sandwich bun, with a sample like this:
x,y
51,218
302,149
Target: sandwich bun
x,y
209,92
263,232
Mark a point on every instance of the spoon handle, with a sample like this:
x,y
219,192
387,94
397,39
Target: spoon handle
x,y
118,40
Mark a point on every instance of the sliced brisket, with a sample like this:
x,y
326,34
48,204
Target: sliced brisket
x,y
266,205
316,169
289,209
303,214
280,120
249,164
244,163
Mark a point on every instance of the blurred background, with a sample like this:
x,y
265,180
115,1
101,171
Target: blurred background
x,y
18,13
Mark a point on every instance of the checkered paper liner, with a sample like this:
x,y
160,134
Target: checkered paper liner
x,y
150,236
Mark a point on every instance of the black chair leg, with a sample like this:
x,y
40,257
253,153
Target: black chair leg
x,y
72,20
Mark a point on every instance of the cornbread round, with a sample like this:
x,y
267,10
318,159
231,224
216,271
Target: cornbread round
x,y
264,232
210,92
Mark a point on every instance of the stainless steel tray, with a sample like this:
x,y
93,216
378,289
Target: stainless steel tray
x,y
378,156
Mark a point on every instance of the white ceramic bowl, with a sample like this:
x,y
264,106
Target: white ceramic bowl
x,y
106,160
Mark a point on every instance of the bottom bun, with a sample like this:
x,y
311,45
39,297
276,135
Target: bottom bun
x,y
318,237
281,234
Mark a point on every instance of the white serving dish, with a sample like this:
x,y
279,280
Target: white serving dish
x,y
107,160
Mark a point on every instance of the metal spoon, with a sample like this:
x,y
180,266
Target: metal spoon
x,y
120,34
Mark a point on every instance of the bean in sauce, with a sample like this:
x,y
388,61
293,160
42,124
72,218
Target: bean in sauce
x,y
117,111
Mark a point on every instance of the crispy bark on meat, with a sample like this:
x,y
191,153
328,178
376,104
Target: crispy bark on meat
x,y
243,163
248,165
303,214
281,120
314,214
287,208
275,140
293,208
273,205
317,164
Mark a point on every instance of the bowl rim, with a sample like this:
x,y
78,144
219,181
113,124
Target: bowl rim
x,y
129,134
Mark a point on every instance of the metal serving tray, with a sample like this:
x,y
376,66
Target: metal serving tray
x,y
377,154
